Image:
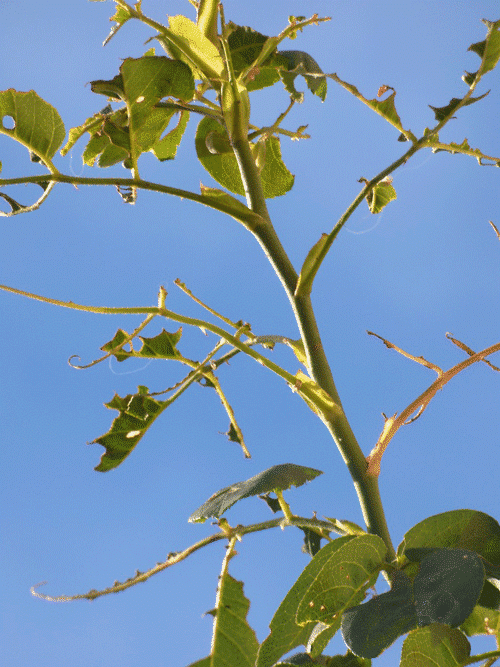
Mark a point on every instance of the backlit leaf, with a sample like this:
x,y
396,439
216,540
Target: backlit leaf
x,y
32,122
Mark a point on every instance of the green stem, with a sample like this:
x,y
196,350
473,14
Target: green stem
x,y
317,363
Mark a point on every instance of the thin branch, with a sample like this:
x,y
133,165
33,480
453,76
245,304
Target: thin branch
x,y
393,424
176,557
469,351
419,360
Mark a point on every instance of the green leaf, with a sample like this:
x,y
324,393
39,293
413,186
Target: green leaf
x,y
245,45
343,579
435,645
337,576
185,41
280,477
233,642
385,108
285,633
488,50
299,62
310,267
223,167
162,346
370,628
458,529
122,135
232,206
441,112
485,617
380,195
204,662
37,125
136,414
447,586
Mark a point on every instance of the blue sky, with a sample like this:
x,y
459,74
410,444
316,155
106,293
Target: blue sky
x,y
429,264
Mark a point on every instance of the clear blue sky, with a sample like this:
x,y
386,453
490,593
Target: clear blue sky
x,y
428,264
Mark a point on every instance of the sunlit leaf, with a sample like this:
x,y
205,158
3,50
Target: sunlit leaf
x,y
233,641
435,645
162,346
223,167
280,477
380,195
489,49
32,122
137,412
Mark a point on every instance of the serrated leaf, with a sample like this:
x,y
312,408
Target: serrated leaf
x,y
162,346
458,529
385,108
380,195
489,49
442,112
299,62
370,628
435,645
280,477
137,412
233,642
275,177
447,586
37,124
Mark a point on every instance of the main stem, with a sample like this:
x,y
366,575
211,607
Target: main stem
x,y
318,366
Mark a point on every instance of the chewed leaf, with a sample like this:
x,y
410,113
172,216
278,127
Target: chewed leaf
x,y
162,346
32,122
299,62
137,413
280,477
441,112
385,108
381,195
488,50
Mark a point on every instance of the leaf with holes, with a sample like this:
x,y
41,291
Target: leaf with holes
x,y
279,477
137,412
35,123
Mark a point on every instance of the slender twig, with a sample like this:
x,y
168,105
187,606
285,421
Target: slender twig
x,y
393,424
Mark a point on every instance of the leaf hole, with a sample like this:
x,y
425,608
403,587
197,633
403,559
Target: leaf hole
x,y
8,123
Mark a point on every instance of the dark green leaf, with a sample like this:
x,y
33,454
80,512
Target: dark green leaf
x,y
485,617
447,586
245,45
299,62
162,346
370,628
37,125
458,529
137,413
280,477
442,112
312,542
